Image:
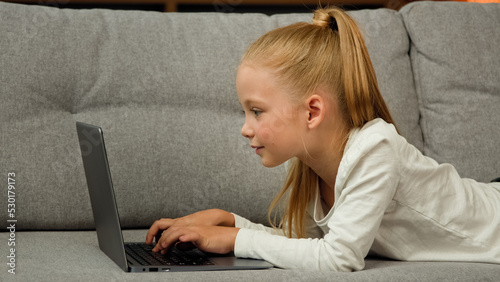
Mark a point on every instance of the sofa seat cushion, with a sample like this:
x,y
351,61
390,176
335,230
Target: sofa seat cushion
x,y
75,256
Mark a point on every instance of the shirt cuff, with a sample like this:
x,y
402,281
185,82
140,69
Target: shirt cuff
x,y
243,244
239,221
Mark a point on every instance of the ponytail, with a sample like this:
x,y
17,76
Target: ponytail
x,y
330,53
362,98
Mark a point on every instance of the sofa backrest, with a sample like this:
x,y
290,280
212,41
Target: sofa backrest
x,y
162,86
455,58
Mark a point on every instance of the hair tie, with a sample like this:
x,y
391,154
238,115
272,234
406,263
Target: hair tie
x,y
333,24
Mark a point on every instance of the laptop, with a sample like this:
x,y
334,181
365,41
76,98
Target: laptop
x,y
137,256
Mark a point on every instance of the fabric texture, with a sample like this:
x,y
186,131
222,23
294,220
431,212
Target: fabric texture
x,y
162,87
75,256
394,201
455,60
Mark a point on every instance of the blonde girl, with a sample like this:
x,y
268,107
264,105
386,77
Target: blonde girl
x,y
310,95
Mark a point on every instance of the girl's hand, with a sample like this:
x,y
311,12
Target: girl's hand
x,y
213,217
214,239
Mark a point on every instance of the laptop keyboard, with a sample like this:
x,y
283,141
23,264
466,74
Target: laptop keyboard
x,y
144,254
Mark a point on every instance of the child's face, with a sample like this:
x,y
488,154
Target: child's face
x,y
272,122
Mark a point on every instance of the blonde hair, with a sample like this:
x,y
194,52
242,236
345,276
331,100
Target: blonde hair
x,y
329,53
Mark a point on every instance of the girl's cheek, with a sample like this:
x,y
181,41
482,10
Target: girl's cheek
x,y
280,123
270,130
266,135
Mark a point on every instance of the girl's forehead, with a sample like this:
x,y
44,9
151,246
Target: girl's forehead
x,y
258,85
251,79
247,70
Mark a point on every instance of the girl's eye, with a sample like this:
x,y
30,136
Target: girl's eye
x,y
255,111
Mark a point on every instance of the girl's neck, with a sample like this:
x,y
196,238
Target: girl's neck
x,y
326,167
325,161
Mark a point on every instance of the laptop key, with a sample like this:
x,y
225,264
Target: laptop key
x,y
173,257
136,257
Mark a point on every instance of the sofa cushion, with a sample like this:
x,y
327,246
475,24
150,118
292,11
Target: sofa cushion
x,y
162,86
75,256
455,57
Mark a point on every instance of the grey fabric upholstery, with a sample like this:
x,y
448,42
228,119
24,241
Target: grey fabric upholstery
x,y
75,256
162,86
455,62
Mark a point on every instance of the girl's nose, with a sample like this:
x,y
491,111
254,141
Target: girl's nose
x,y
246,131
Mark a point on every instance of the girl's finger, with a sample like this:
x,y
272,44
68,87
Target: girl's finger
x,y
158,225
171,236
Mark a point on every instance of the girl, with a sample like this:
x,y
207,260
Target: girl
x,y
355,186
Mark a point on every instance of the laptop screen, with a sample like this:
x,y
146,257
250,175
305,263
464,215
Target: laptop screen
x,y
102,197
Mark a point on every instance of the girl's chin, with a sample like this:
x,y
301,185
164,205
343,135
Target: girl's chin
x,y
270,164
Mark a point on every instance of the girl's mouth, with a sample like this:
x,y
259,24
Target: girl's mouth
x,y
258,149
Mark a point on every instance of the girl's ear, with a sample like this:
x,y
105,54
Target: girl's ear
x,y
315,106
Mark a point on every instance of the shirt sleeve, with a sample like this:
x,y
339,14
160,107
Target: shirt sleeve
x,y
242,222
312,229
367,177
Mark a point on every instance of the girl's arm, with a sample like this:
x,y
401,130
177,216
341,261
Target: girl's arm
x,y
368,175
241,222
312,230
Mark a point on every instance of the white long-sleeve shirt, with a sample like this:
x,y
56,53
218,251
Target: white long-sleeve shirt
x,y
391,200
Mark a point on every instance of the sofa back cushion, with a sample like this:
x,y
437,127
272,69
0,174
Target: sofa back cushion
x,y
455,57
162,87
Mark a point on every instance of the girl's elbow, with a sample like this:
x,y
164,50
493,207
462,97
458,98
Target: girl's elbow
x,y
346,260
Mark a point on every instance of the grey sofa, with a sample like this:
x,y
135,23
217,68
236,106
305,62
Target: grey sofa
x,y
162,86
